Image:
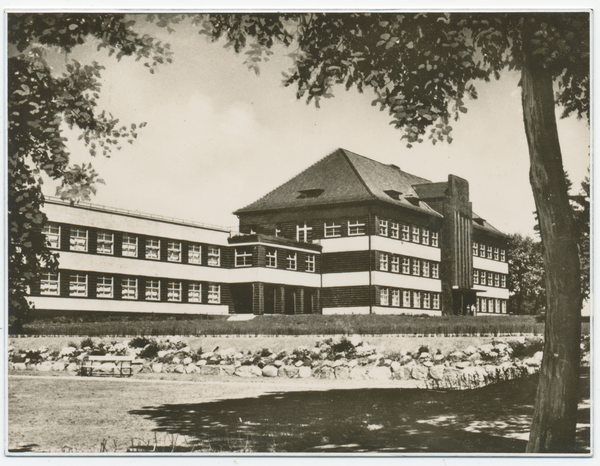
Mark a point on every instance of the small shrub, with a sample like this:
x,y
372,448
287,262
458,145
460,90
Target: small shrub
x,y
343,346
139,342
150,351
423,349
87,342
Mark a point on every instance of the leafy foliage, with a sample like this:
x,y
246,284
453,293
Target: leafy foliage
x,y
40,105
526,280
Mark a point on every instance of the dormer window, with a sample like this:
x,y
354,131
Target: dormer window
x,y
393,194
309,193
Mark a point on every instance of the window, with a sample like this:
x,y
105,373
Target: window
x,y
395,230
415,234
195,293
383,227
503,255
405,232
310,262
153,290
303,233
503,306
78,239
426,300
481,250
332,230
435,300
78,285
406,298
406,265
396,298
425,236
482,277
129,288
214,256
496,254
105,242
426,268
243,258
52,233
489,252
475,249
416,299
503,281
153,249
498,309
490,279
416,267
476,277
491,305
496,279
214,294
174,291
49,284
272,258
291,261
356,228
174,251
194,254
104,287
383,261
434,238
483,304
130,245
384,297
435,270
395,264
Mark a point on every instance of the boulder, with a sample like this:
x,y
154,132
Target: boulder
x,y
380,373
352,363
269,371
59,366
72,367
278,363
44,367
187,361
358,373
437,372
395,366
304,372
288,371
427,363
176,360
20,366
210,370
325,372
462,365
419,373
470,350
228,369
157,367
342,372
248,371
456,356
179,369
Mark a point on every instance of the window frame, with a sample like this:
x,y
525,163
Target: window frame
x,y
292,261
395,264
475,277
356,229
104,242
49,234
435,300
502,281
406,301
271,258
435,270
383,227
475,249
75,285
304,232
332,230
101,285
426,300
194,295
150,289
425,236
126,245
174,287
395,230
174,247
311,263
243,257
415,267
482,249
415,236
49,283
150,248
384,297
214,259
405,232
214,290
435,236
396,297
73,238
384,260
406,265
126,285
502,255
195,254
496,254
416,299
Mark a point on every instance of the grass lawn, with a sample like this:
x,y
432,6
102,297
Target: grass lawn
x,y
153,325
54,414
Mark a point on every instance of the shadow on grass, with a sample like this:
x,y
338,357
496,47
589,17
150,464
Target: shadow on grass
x,y
493,419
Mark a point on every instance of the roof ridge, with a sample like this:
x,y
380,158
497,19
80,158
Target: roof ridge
x,y
344,152
289,179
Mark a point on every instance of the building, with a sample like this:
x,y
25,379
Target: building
x,y
347,235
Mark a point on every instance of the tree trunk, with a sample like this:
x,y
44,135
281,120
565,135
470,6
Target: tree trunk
x,y
554,419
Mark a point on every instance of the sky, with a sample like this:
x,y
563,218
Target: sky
x,y
218,137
